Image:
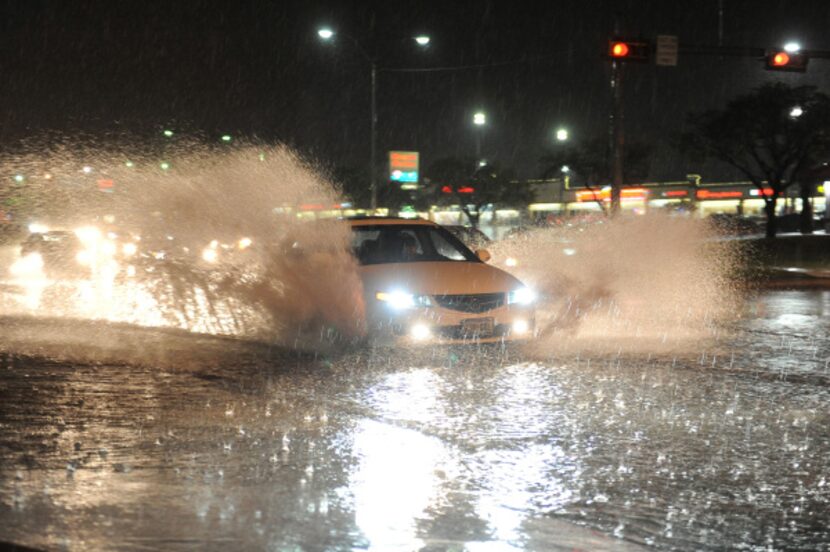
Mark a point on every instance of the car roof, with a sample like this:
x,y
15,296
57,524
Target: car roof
x,y
386,221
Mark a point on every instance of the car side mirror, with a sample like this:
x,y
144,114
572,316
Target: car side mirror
x,y
483,255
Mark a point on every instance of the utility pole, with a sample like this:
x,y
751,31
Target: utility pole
x,y
373,173
617,136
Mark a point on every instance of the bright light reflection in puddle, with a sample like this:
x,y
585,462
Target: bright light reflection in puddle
x,y
395,483
405,476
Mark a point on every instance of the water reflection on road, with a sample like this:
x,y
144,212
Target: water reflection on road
x,y
230,445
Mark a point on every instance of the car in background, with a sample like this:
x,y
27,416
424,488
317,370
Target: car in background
x,y
421,284
734,225
469,236
61,254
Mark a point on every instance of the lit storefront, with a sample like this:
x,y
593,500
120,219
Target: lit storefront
x,y
740,198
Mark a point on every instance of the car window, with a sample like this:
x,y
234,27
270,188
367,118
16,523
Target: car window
x,y
444,248
406,244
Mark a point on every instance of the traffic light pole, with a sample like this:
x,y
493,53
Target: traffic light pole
x,y
617,136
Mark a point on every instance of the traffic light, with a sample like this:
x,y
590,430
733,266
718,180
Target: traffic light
x,y
781,60
623,49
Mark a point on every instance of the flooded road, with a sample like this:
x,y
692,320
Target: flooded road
x,y
217,444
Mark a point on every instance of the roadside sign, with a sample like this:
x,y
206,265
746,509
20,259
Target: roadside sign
x,y
403,166
666,54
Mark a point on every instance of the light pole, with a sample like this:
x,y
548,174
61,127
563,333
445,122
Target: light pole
x,y
479,120
373,173
327,34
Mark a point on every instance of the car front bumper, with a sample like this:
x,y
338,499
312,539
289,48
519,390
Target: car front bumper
x,y
433,325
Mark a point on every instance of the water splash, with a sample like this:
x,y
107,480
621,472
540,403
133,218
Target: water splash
x,y
640,283
206,242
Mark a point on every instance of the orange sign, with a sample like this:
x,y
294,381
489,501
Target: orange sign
x,y
719,194
626,194
403,159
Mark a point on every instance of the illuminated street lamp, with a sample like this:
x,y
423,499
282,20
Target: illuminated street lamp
x,y
792,47
168,133
226,138
86,169
796,112
479,118
562,134
19,178
129,164
164,165
326,34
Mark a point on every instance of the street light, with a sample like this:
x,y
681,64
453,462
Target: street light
x,y
562,134
792,47
168,133
326,34
796,112
226,138
479,120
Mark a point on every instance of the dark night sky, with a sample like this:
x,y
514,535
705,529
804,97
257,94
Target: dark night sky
x,y
257,68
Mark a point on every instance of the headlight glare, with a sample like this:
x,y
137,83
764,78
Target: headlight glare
x,y
401,300
210,255
521,296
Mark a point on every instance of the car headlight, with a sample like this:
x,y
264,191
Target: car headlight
x,y
521,296
401,300
84,257
210,255
129,249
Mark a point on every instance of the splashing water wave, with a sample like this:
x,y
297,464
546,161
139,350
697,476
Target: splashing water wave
x,y
216,251
634,284
211,242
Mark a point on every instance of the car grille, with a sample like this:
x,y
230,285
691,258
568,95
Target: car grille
x,y
477,303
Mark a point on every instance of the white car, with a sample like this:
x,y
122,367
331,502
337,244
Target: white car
x,y
421,284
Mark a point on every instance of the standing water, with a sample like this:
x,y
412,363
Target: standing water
x,y
655,410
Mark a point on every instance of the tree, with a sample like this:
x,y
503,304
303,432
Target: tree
x,y
772,135
453,182
587,164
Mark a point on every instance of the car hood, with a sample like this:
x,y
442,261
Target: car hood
x,y
437,278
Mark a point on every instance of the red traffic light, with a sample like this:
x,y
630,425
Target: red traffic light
x,y
779,60
619,49
627,50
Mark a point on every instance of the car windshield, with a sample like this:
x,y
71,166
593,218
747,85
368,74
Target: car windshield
x,y
407,243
